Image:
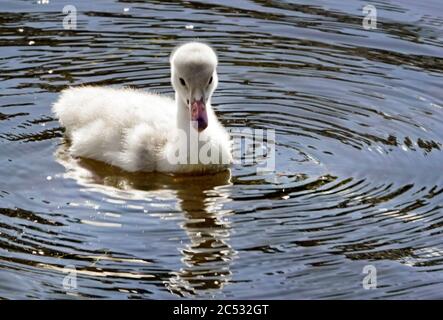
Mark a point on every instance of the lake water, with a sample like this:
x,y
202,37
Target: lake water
x,y
358,179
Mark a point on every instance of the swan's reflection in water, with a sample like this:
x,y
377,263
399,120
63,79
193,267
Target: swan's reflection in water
x,y
207,256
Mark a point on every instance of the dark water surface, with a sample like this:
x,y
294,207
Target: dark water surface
x,y
358,181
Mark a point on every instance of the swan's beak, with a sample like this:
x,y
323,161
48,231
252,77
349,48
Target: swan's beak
x,y
199,116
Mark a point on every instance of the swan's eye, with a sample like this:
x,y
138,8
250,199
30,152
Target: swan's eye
x,y
210,81
183,82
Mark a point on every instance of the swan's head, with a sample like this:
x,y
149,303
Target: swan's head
x,y
194,78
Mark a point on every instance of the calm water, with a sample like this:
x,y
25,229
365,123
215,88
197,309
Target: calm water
x,y
358,181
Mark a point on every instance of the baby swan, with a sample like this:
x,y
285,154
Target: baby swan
x,y
140,131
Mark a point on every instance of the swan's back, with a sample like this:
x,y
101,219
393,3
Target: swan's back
x,y
117,108
123,127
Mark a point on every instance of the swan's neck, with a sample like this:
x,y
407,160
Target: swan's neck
x,y
183,115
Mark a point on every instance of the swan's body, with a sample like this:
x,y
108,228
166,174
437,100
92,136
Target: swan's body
x,y
139,131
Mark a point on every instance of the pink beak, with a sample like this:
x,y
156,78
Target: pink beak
x,y
199,116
